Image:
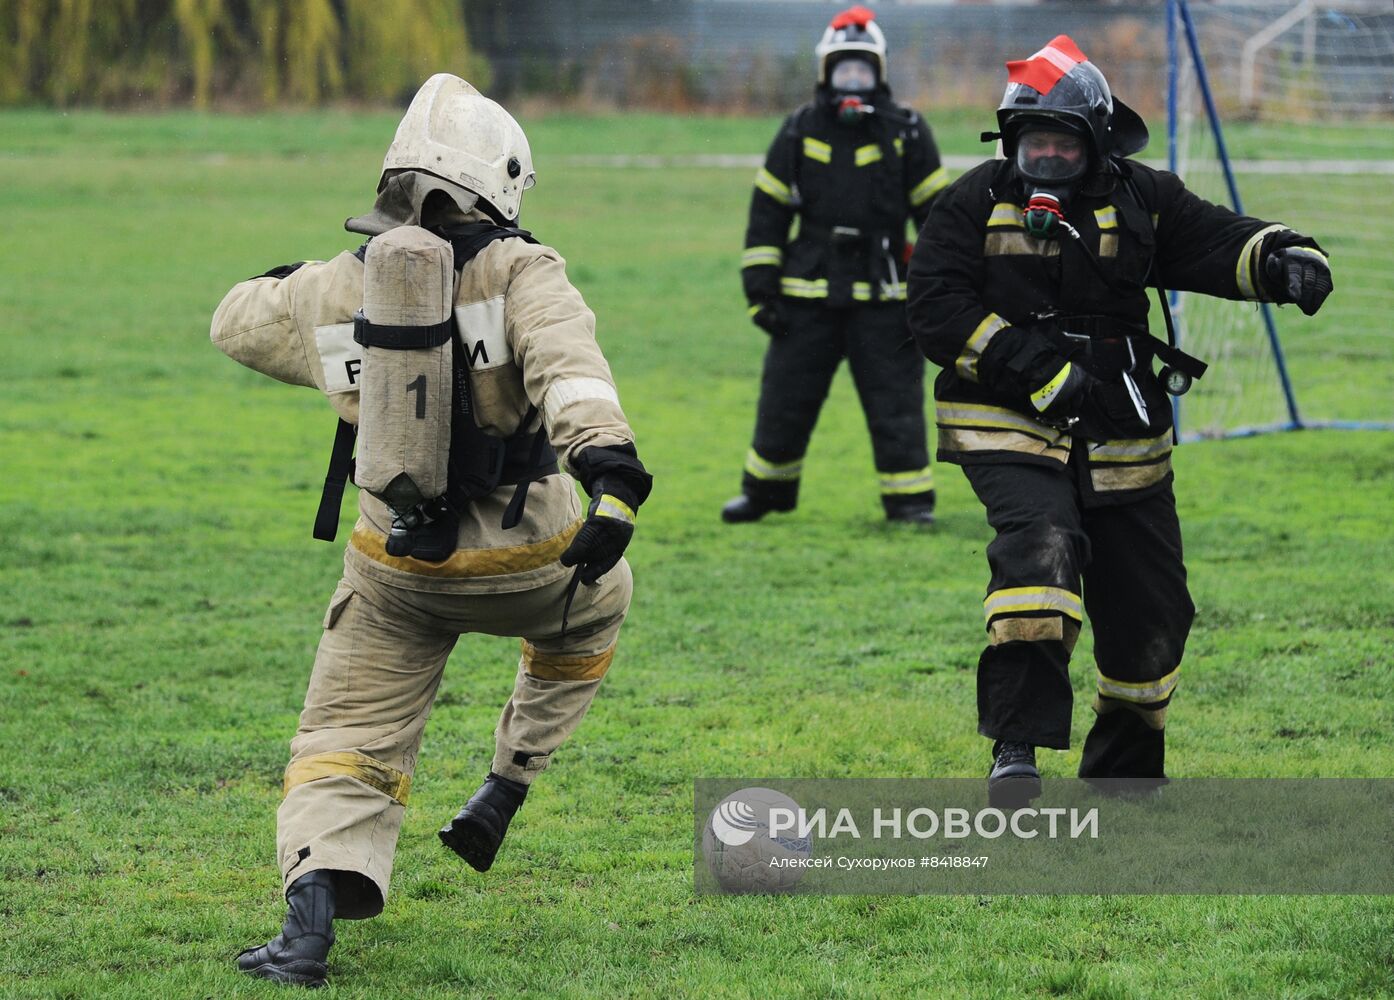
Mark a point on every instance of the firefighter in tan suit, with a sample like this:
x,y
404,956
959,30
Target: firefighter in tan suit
x,y
528,366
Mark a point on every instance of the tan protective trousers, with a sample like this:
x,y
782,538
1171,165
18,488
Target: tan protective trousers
x,y
379,664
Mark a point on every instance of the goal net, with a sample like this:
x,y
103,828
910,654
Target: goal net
x,y
1287,111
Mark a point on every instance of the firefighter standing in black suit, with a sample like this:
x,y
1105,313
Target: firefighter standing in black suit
x,y
852,166
1028,287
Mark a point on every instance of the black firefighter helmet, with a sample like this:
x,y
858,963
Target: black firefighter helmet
x,y
1060,85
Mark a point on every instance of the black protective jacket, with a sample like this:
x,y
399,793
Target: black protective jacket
x,y
852,186
989,303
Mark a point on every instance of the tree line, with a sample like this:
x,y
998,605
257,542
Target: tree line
x,y
252,52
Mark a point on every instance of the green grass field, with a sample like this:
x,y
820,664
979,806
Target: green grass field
x,y
162,600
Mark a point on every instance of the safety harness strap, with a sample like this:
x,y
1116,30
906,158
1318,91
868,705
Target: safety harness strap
x,y
339,473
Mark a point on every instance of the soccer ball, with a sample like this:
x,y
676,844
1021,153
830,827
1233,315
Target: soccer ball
x,y
741,854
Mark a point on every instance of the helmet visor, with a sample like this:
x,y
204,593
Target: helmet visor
x,y
1050,155
853,76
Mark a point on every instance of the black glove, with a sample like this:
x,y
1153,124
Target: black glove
x,y
617,483
1300,275
1059,398
1088,407
767,316
604,536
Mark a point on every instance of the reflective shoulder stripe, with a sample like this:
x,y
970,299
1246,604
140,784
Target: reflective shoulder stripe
x,y
1045,395
761,256
866,154
565,392
816,149
803,288
612,506
1004,213
1017,599
967,363
899,146
774,187
1246,268
1107,218
349,764
929,187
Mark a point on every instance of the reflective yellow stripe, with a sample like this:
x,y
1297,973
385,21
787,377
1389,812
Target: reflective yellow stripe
x,y
1108,244
759,256
753,310
1116,478
565,666
1045,395
1017,244
349,764
1107,218
1131,450
899,146
919,481
802,288
815,149
866,154
1246,269
969,440
892,292
967,363
1311,252
1140,692
1004,213
501,561
783,472
1017,599
861,291
774,187
610,506
929,187
983,415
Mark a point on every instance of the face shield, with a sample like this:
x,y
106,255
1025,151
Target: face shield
x,y
1051,156
853,75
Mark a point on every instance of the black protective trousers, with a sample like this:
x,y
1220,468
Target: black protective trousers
x,y
888,371
1128,557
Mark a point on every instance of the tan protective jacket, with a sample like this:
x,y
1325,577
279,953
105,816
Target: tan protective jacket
x,y
530,339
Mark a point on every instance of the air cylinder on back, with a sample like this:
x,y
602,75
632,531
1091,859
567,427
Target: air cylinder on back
x,y
406,381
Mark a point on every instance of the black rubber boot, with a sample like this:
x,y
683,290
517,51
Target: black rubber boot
x,y
916,509
745,508
477,830
1013,781
298,954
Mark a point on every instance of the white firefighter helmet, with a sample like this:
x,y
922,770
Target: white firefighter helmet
x,y
454,132
854,31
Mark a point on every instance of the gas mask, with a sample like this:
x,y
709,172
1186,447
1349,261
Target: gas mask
x,y
1051,160
851,83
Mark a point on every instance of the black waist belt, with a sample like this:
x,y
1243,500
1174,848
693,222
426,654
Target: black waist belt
x,y
1104,341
